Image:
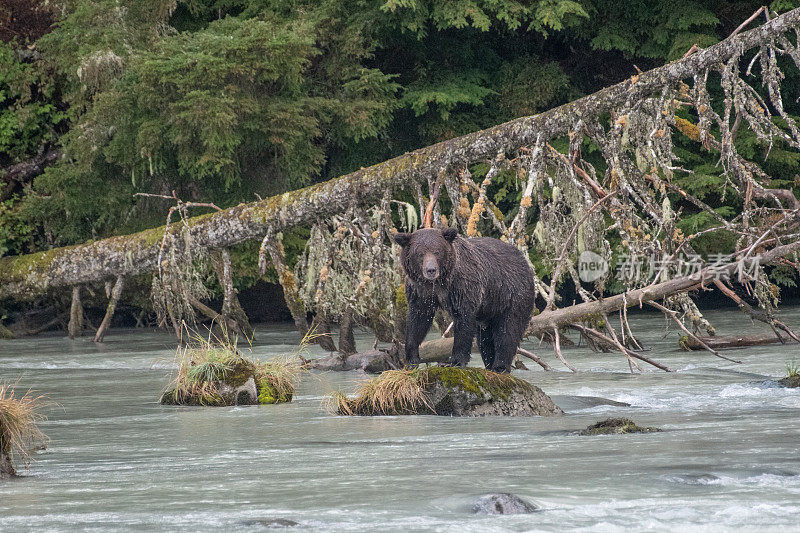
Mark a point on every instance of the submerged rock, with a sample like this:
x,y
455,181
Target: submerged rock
x,y
573,403
616,426
792,381
694,479
270,522
448,392
503,503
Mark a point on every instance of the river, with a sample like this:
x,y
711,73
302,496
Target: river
x,y
727,458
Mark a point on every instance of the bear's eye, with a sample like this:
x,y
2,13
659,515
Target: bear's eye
x,y
436,253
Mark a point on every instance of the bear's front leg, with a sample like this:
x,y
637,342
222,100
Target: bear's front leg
x,y
464,328
418,321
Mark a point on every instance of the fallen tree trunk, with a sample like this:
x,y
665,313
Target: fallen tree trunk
x,y
730,341
24,277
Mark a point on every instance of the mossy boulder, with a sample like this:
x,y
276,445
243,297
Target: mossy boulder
x,y
616,426
448,391
791,381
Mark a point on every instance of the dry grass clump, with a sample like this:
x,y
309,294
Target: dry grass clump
x,y
392,392
206,364
202,365
19,433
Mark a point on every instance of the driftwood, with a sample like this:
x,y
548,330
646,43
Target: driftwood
x,y
113,299
6,468
729,341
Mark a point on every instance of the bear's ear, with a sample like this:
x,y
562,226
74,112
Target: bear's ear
x,y
402,238
450,234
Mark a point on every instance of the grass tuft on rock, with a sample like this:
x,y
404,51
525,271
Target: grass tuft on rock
x,y
213,372
19,432
792,379
407,392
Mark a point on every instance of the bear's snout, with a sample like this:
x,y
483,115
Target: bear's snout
x,y
430,267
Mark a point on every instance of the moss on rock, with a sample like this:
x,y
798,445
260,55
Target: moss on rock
x,y
270,393
478,381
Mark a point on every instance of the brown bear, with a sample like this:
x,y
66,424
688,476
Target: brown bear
x,y
485,284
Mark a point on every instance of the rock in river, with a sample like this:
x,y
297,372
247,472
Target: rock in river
x,y
448,392
616,426
270,523
503,503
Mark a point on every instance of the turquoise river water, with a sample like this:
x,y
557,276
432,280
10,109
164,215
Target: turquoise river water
x,y
117,460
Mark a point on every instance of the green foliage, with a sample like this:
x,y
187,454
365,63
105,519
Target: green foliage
x,y
29,113
783,275
27,118
419,16
14,233
662,30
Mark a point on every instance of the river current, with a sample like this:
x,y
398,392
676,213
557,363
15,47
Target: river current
x,y
728,458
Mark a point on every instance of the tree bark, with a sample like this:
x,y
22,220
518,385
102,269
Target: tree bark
x,y
347,341
24,277
75,327
322,333
288,284
206,311
6,468
112,306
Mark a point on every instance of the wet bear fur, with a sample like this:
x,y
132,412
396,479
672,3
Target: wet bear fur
x,y
485,284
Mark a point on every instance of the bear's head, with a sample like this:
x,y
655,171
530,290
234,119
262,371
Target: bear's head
x,y
428,253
